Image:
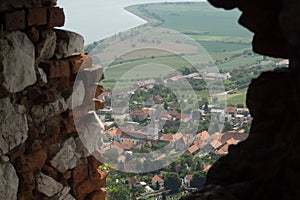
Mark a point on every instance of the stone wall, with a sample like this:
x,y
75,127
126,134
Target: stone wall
x,y
40,150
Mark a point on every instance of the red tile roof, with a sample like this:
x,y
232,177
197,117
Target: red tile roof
x,y
215,144
230,109
231,141
206,167
193,149
115,132
156,178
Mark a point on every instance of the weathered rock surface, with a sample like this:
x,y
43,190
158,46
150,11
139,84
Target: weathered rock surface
x,y
77,97
18,73
9,182
45,111
66,158
68,43
43,76
41,155
47,185
64,195
91,75
13,125
45,49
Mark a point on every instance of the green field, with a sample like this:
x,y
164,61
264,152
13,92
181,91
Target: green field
x,y
239,97
215,30
194,17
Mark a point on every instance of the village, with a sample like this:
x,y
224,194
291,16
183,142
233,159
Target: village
x,y
153,126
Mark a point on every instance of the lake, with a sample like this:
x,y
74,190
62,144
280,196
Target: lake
x,y
98,19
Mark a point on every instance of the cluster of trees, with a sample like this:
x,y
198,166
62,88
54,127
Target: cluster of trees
x,y
241,77
172,176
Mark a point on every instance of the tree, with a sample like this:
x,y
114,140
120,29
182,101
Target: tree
x,y
164,196
172,182
240,105
198,180
157,186
118,191
228,126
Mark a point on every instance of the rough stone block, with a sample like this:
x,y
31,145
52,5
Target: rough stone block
x,y
68,43
50,171
91,184
9,182
33,34
42,112
56,68
48,185
15,20
56,17
66,158
77,97
64,84
98,195
69,124
91,76
17,56
37,16
80,173
46,48
27,181
99,90
99,104
13,125
31,162
80,61
63,195
271,46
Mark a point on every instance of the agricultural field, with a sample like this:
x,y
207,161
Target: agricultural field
x,y
218,32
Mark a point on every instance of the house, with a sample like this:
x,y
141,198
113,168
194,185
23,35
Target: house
x,y
231,110
239,118
187,180
224,117
133,136
157,179
174,79
167,137
215,76
158,99
115,133
122,159
143,83
235,135
206,168
138,115
126,145
243,111
204,135
215,144
199,143
193,149
133,182
283,62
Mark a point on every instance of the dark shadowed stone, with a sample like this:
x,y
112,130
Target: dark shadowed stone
x,y
266,165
